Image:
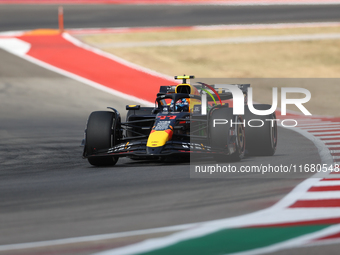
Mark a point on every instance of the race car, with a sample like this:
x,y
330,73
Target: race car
x,y
186,119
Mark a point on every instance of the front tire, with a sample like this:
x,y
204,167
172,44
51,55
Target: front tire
x,y
101,134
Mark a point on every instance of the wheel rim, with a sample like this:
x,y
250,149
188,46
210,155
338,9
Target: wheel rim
x,y
273,134
240,136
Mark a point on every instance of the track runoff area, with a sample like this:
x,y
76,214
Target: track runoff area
x,y
308,215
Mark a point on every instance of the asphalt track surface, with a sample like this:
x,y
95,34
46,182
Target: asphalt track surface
x,y
47,191
18,17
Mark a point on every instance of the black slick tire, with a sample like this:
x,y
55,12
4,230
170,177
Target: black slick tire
x,y
261,141
100,134
220,134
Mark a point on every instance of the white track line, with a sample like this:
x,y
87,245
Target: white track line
x,y
328,136
15,46
318,123
321,195
325,133
326,127
93,238
311,128
228,40
331,141
327,183
332,146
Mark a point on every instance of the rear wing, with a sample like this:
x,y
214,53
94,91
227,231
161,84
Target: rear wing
x,y
222,90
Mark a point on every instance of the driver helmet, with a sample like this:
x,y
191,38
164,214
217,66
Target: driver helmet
x,y
182,105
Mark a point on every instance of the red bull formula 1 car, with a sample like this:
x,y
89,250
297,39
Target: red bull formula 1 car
x,y
186,119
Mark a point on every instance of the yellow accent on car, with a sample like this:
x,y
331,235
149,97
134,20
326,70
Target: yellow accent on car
x,y
186,88
158,138
184,77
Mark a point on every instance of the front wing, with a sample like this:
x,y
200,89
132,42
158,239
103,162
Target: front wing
x,y
138,149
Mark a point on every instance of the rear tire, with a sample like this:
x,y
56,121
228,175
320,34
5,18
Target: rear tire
x,y
220,135
100,134
261,141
